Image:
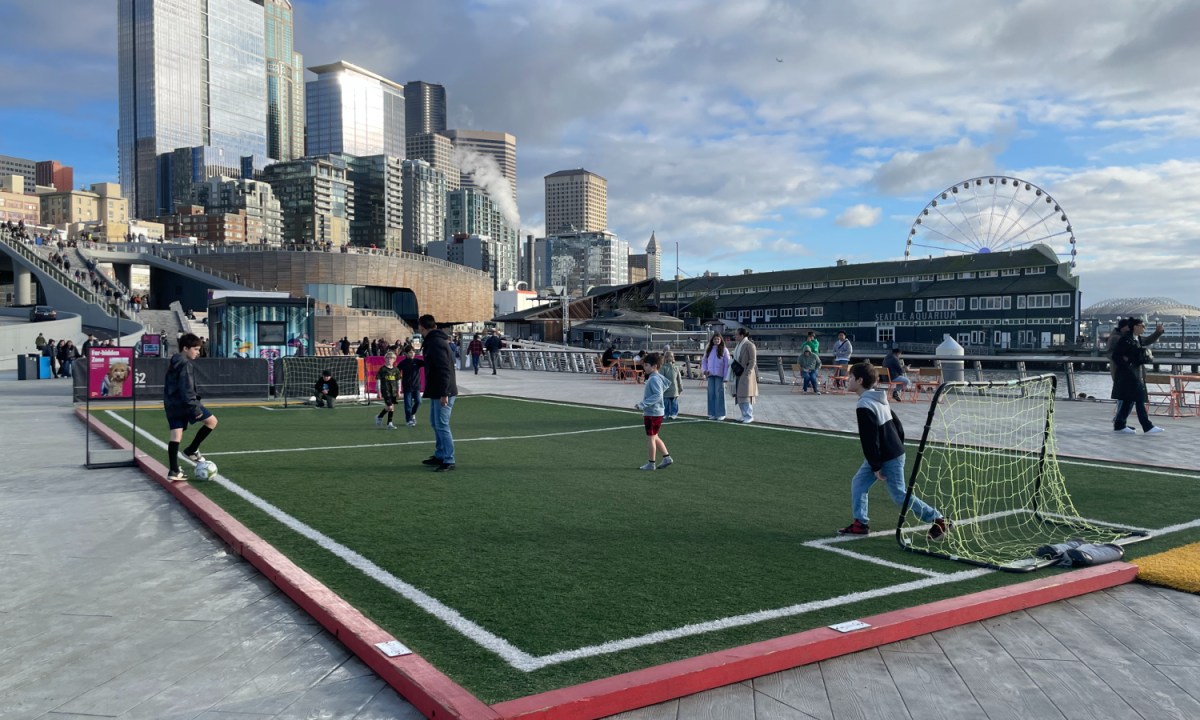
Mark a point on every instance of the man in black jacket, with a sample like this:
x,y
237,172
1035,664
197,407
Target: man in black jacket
x,y
493,344
441,389
182,405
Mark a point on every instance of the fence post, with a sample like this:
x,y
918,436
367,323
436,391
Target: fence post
x,y
1071,381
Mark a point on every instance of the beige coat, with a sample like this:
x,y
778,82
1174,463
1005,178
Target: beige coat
x,y
745,387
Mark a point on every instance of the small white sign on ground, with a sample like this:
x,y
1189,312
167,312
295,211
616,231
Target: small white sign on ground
x,y
850,626
393,648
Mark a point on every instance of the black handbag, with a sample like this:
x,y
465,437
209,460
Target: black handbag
x,y
737,368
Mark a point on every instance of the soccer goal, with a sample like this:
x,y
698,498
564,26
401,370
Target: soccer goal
x,y
300,375
987,462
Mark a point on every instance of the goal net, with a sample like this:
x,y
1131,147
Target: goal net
x,y
300,375
987,462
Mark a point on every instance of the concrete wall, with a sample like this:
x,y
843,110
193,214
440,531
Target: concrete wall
x,y
18,338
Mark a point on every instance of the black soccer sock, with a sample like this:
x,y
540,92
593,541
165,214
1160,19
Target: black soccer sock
x,y
200,435
173,455
382,413
390,414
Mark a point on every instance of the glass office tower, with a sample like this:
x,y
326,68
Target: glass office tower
x,y
353,111
285,83
190,74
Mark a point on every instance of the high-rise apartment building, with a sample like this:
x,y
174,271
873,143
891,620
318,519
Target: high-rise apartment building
x,y
378,201
230,195
424,205
424,107
499,146
285,83
576,201
353,111
437,150
470,211
52,173
580,261
189,74
316,197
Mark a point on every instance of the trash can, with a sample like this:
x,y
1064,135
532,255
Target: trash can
x,y
27,367
44,367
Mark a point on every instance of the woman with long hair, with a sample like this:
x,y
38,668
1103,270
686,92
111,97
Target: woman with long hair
x,y
715,367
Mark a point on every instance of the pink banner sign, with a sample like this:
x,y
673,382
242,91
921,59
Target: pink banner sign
x,y
371,368
110,373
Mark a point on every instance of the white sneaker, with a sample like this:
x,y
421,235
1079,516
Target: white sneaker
x,y
747,421
648,466
1154,430
1126,430
666,461
411,423
378,422
721,419
391,426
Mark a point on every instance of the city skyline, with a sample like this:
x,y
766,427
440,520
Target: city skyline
x,y
761,135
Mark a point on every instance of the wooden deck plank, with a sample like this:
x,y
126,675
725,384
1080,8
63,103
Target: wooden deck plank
x,y
860,688
1022,637
1140,634
1077,691
768,708
932,689
1163,611
924,644
663,711
802,688
731,702
1187,678
1000,685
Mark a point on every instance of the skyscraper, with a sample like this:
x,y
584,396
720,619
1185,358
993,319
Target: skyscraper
x,y
189,74
470,211
378,201
353,111
499,146
424,107
580,260
316,197
437,150
285,83
576,201
424,205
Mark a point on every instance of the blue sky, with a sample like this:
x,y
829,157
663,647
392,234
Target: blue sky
x,y
744,161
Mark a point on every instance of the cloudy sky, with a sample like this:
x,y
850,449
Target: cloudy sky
x,y
755,134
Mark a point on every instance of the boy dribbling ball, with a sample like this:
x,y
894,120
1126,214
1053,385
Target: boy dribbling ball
x,y
653,408
882,438
182,406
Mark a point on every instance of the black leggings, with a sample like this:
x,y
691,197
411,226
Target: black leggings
x,y
1123,408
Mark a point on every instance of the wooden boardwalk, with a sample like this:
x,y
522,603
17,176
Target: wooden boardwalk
x,y
115,603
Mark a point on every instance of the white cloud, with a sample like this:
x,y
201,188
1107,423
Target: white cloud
x,y
859,216
907,172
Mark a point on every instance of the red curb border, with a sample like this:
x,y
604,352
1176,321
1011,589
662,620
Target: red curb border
x,y
434,694
437,696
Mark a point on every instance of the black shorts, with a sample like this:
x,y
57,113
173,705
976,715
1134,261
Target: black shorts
x,y
179,422
389,399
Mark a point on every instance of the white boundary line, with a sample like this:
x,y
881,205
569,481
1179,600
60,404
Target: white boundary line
x,y
526,662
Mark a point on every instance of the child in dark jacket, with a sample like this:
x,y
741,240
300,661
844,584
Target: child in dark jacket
x,y
410,384
882,438
326,389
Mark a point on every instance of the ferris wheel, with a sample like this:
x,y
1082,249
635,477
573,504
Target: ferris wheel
x,y
992,214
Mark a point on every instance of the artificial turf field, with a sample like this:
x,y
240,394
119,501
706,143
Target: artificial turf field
x,y
547,559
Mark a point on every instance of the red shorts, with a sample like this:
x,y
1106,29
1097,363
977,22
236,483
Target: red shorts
x,y
653,423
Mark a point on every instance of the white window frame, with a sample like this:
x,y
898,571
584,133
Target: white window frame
x,y
817,311
919,305
899,306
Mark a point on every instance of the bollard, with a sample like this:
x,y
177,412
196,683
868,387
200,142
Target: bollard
x,y
951,369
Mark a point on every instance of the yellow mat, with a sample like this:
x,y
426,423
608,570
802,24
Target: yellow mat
x,y
1178,568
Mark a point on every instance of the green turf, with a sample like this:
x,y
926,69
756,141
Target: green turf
x,y
554,543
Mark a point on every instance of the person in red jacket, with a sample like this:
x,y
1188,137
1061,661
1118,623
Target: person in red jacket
x,y
475,350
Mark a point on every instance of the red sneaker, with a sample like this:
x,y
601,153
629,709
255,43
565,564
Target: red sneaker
x,y
855,528
939,528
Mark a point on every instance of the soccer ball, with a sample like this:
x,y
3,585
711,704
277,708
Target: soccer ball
x,y
206,470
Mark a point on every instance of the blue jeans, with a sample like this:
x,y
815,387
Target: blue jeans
x,y
810,378
412,401
670,406
716,397
439,418
475,363
893,470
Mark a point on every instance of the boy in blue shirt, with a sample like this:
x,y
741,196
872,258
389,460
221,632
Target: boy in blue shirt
x,y
653,407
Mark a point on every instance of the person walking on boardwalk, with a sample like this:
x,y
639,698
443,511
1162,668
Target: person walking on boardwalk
x,y
440,389
182,406
715,367
475,350
745,375
493,344
1130,357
